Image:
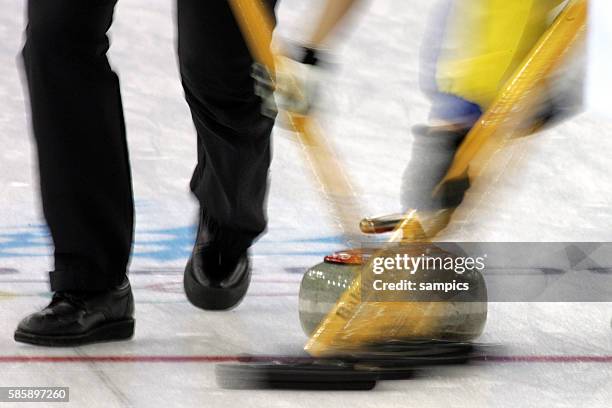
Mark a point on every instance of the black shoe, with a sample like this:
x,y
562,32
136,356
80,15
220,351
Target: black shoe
x,y
216,279
76,318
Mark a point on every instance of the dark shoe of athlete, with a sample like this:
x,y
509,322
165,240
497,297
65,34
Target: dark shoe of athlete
x,y
77,318
216,278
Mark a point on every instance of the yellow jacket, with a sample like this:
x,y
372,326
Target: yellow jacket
x,y
485,41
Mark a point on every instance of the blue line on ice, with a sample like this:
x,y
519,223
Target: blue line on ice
x,y
160,244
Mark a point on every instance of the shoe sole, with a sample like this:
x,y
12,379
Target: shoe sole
x,y
214,299
112,331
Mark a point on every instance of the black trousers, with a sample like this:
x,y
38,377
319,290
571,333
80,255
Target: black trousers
x,y
81,140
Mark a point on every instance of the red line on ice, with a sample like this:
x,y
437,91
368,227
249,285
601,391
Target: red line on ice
x,y
117,359
225,359
548,359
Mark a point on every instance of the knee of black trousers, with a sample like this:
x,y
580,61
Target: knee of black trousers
x,y
67,28
216,67
223,100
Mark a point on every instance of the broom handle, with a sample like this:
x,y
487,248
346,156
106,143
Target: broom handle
x,y
257,25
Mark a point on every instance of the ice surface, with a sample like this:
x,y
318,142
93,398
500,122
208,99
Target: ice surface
x,y
599,83
560,190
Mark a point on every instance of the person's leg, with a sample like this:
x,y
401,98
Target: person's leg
x,y
432,154
84,174
80,135
230,180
